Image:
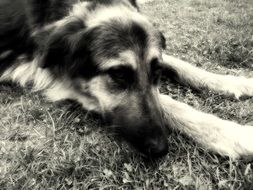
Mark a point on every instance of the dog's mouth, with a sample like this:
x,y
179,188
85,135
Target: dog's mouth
x,y
153,148
148,146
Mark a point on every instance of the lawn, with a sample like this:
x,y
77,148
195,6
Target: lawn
x,y
60,146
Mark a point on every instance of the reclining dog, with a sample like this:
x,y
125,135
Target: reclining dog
x,y
109,57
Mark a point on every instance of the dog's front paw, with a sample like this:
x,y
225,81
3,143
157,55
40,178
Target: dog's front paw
x,y
240,87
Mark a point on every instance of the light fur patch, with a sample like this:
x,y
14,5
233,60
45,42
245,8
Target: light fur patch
x,y
144,1
80,10
125,58
107,100
153,52
27,72
225,137
53,89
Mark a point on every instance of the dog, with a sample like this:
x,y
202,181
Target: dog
x,y
109,57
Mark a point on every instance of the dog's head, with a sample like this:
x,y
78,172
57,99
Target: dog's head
x,y
111,55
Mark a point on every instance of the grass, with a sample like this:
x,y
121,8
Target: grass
x,y
50,146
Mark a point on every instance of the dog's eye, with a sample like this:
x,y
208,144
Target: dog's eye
x,y
156,71
122,76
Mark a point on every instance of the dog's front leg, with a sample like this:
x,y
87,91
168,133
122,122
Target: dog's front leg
x,y
188,74
222,136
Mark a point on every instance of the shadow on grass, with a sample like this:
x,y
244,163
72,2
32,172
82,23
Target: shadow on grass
x,y
10,92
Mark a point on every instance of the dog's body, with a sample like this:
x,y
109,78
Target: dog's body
x,y
108,57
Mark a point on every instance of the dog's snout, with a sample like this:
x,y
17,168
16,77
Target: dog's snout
x,y
157,147
142,125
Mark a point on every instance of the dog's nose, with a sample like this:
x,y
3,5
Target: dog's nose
x,y
157,148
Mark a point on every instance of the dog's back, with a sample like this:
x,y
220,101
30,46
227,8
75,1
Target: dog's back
x,y
19,19
14,32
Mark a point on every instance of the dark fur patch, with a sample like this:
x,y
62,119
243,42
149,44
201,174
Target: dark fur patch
x,y
134,3
162,40
109,39
124,78
41,12
140,37
67,52
18,20
109,2
6,61
170,73
14,33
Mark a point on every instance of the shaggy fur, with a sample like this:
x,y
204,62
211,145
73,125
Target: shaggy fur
x,y
109,57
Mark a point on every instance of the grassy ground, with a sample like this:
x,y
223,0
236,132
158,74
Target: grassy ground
x,y
50,146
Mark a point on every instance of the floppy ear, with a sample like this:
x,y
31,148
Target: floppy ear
x,y
61,54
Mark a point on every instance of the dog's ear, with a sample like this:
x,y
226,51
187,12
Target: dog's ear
x,y
162,40
61,54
